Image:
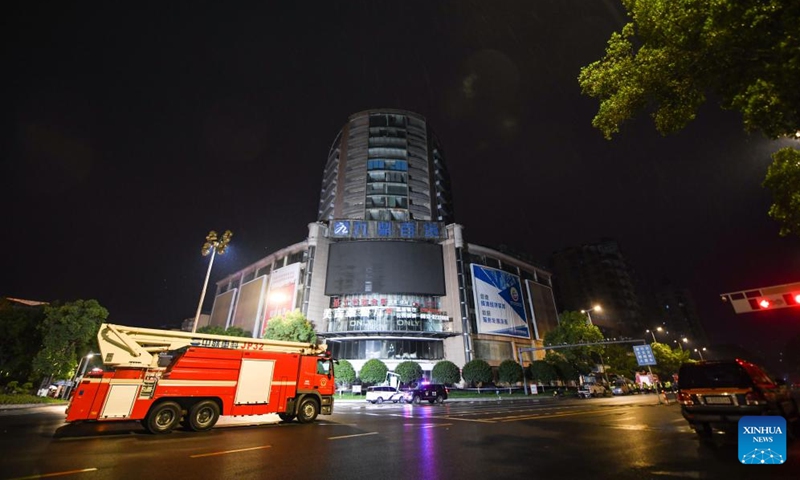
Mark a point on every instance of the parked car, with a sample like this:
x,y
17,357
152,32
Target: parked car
x,y
432,392
383,394
715,395
588,390
621,388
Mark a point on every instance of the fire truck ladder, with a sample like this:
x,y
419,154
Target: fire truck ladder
x,y
125,346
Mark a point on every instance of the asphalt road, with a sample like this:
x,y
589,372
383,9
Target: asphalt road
x,y
626,437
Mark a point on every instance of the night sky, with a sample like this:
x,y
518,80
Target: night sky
x,y
128,134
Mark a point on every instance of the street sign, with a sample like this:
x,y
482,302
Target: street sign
x,y
644,355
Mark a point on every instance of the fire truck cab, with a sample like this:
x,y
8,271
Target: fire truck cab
x,y
166,378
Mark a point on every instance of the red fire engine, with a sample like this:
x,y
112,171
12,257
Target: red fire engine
x,y
164,378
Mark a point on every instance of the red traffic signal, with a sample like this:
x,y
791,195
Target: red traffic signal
x,y
760,303
792,298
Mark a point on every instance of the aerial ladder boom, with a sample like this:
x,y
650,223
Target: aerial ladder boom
x,y
123,346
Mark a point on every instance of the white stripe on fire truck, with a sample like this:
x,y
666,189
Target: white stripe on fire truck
x,y
197,383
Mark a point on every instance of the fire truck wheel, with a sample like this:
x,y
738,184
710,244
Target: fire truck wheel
x,y
163,417
203,415
308,411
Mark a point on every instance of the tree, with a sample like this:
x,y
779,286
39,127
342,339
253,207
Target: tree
x,y
672,53
620,359
20,339
565,371
477,372
668,360
783,180
574,328
543,372
230,331
410,372
373,372
446,372
344,373
68,331
509,372
292,326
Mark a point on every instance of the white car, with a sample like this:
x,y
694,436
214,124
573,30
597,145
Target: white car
x,y
383,394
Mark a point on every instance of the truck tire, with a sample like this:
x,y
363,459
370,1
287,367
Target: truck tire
x,y
308,411
203,415
162,418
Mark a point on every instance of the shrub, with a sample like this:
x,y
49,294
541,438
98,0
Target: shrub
x,y
344,373
446,372
509,372
543,372
410,372
477,372
373,372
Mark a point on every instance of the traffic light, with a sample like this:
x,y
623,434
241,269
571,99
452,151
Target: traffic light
x,y
764,298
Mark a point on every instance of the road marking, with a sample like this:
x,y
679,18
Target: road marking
x,y
229,451
58,474
556,415
428,425
351,436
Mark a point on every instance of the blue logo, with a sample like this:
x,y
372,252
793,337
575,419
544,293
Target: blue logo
x,y
762,440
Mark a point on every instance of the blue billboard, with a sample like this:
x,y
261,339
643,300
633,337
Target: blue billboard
x,y
499,308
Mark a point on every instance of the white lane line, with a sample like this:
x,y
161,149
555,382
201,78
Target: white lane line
x,y
58,474
351,436
225,452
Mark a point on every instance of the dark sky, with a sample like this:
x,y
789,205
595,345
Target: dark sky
x,y
129,133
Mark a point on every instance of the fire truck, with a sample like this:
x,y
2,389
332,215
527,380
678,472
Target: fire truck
x,y
166,378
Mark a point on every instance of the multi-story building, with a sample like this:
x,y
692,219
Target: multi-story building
x,y
598,274
384,273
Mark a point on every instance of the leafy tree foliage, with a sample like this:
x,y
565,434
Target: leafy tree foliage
x,y
574,328
20,339
477,372
783,180
747,52
446,372
563,368
668,360
373,372
673,52
68,331
620,359
509,372
410,372
543,372
230,331
344,373
292,326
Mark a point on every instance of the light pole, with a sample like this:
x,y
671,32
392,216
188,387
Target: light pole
x,y
700,352
680,344
213,246
651,332
596,308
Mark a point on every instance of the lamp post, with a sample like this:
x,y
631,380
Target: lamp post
x,y
652,332
680,344
700,352
596,308
213,246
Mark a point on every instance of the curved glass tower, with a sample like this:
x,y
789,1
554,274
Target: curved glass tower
x,y
386,165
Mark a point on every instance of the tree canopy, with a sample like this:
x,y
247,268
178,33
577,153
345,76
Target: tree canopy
x,y
673,53
574,328
477,372
783,180
292,326
344,373
410,372
230,331
373,372
20,339
68,331
509,372
446,372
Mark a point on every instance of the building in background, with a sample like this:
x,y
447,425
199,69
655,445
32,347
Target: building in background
x,y
678,314
598,274
384,272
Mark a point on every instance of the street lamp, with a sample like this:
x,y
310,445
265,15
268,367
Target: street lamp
x,y
596,308
680,344
700,352
651,332
213,246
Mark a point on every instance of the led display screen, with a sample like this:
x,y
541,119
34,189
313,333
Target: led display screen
x,y
385,267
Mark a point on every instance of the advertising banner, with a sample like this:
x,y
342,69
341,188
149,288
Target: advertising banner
x,y
499,306
281,293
